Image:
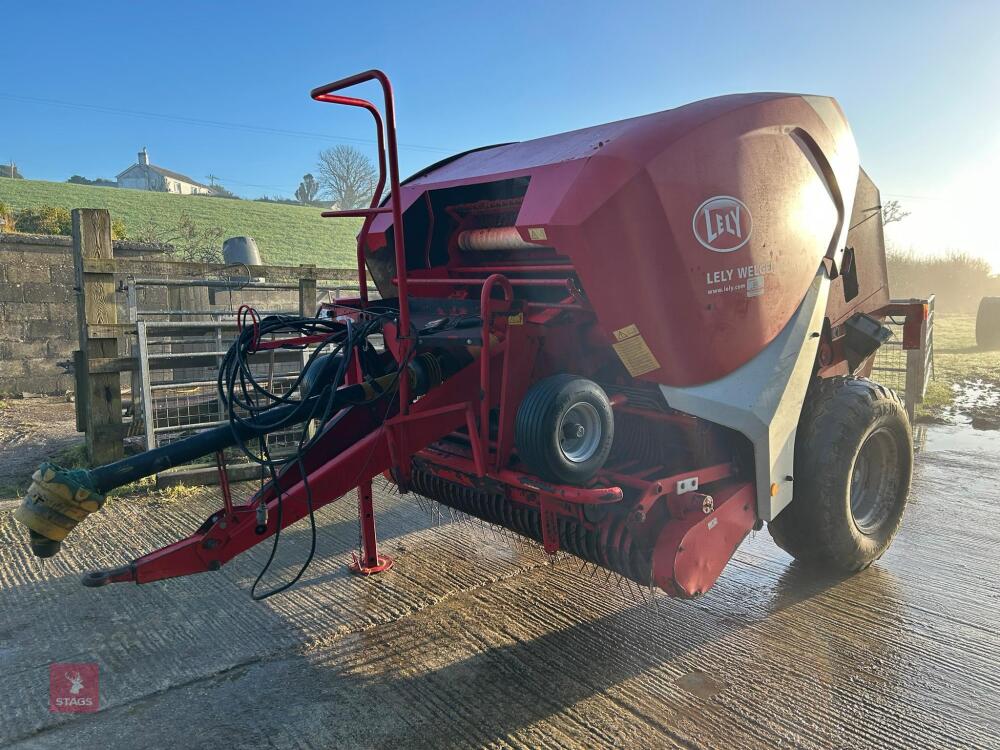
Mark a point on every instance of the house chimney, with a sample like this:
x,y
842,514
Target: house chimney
x,y
144,157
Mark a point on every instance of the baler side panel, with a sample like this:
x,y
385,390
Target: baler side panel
x,y
641,264
622,201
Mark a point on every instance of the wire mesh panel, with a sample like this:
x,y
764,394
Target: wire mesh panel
x,y
890,361
180,394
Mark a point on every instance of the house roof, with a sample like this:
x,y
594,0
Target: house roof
x,y
177,176
166,173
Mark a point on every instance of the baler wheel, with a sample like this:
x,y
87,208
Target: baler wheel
x,y
988,323
853,460
564,429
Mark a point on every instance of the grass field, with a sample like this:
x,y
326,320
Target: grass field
x,y
285,234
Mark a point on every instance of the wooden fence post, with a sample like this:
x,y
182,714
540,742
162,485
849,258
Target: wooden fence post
x,y
307,295
95,306
920,364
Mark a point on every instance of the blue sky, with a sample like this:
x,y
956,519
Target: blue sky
x,y
919,81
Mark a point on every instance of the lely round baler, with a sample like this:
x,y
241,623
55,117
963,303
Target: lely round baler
x,y
633,343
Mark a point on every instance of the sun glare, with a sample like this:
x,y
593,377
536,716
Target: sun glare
x,y
961,217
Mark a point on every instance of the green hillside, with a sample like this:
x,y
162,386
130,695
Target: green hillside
x,y
285,234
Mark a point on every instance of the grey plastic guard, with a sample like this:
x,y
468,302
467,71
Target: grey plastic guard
x,y
763,398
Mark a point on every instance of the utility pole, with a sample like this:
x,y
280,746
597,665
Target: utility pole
x,y
211,179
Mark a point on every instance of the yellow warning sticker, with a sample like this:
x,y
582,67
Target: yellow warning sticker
x,y
627,332
635,354
537,233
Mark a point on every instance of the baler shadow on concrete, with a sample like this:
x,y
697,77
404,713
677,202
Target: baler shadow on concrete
x,y
633,343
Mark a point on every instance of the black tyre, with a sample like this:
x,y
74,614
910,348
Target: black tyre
x,y
564,429
988,323
853,460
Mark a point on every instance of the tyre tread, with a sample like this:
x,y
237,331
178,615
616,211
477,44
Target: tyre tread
x,y
811,528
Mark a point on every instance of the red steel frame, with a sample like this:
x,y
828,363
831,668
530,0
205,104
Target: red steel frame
x,y
361,446
915,313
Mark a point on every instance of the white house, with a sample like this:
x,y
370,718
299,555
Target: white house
x,y
146,176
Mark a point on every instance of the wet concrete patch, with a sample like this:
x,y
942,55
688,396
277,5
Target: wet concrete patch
x,y
469,642
699,684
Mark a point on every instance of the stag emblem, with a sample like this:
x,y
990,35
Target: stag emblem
x,y
75,683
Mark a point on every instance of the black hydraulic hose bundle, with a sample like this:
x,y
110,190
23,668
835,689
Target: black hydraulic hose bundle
x,y
268,412
247,400
58,499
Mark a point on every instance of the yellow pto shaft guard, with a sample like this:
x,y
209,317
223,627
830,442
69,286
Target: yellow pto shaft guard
x,y
57,500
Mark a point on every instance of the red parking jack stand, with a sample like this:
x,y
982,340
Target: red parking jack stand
x,y
371,561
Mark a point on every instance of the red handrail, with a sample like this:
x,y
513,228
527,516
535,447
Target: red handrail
x,y
386,145
368,213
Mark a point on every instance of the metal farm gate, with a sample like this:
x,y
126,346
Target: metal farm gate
x,y
183,328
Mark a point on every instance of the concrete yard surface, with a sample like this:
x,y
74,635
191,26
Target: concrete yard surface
x,y
472,640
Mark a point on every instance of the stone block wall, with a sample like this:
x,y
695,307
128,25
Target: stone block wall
x,y
38,310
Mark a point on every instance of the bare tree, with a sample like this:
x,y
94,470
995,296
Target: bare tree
x,y
347,176
308,189
191,241
892,211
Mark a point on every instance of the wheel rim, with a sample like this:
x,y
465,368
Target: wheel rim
x,y
580,432
873,481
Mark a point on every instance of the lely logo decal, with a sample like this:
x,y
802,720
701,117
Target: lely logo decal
x,y
722,224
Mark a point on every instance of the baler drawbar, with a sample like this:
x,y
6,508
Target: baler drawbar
x,y
633,343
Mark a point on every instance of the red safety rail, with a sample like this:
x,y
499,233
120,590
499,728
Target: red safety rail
x,y
386,139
